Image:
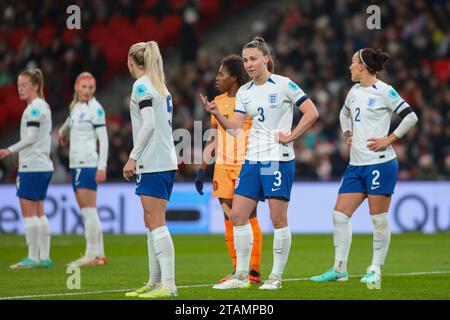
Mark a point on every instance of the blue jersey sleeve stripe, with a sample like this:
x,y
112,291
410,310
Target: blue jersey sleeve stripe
x,y
99,125
301,100
346,106
240,111
395,110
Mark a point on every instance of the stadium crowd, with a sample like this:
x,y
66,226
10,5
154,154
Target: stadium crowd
x,y
312,42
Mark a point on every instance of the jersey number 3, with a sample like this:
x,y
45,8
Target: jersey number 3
x,y
261,114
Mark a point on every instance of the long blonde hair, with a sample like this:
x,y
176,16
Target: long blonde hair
x,y
36,78
147,55
84,74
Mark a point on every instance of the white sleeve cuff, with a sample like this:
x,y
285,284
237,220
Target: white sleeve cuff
x,y
407,123
345,120
145,134
102,136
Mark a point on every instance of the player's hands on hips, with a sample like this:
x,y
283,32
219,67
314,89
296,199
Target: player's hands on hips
x,y
283,138
210,107
378,144
4,153
199,179
63,141
100,176
130,169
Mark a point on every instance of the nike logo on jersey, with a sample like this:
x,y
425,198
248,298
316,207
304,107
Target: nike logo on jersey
x,y
275,189
373,188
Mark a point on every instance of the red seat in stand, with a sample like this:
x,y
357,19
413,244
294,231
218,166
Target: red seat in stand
x,y
45,35
17,35
171,25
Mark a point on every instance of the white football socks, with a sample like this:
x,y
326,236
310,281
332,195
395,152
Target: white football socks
x,y
100,246
153,264
92,230
342,238
381,240
44,238
243,244
281,247
31,227
165,253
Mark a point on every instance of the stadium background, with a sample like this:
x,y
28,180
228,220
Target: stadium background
x,y
312,42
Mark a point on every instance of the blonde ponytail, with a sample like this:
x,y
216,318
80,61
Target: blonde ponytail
x,y
148,56
74,101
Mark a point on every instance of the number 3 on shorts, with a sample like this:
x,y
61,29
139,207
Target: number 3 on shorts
x,y
277,182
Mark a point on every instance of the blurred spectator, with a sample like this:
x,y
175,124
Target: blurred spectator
x,y
312,41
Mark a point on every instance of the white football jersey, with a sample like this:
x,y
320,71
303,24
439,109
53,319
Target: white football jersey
x,y
159,154
371,109
36,157
85,117
271,107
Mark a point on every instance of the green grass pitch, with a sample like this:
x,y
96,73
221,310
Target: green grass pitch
x,y
417,267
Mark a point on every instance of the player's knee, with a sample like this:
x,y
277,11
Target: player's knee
x,y
236,218
348,211
278,222
153,220
84,202
156,224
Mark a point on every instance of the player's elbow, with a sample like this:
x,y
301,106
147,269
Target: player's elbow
x,y
148,126
414,118
31,139
313,115
309,109
316,115
236,129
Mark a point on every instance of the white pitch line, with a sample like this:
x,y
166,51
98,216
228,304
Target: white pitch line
x,y
384,275
193,286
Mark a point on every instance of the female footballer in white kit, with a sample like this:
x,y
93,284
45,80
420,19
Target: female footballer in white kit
x,y
35,168
372,173
85,125
154,161
269,168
